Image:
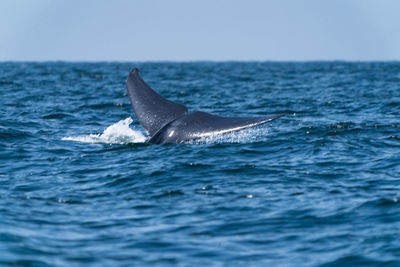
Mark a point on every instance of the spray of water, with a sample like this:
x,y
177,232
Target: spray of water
x,y
249,135
118,133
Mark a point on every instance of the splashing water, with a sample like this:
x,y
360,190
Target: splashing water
x,y
118,133
249,135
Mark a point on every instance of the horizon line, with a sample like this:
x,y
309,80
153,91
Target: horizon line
x,y
200,61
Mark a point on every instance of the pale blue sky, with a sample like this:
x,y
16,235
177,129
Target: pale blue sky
x,y
181,30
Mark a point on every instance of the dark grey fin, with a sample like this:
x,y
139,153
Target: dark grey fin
x,y
200,124
152,110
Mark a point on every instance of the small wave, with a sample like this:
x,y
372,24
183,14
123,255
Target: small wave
x,y
118,133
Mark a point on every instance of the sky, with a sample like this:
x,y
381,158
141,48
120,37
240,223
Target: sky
x,y
189,30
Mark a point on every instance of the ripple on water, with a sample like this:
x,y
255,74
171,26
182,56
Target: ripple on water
x,y
79,185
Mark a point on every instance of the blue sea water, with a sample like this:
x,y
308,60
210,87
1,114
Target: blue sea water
x,y
79,185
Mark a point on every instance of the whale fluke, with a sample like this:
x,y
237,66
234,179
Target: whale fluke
x,y
169,122
152,110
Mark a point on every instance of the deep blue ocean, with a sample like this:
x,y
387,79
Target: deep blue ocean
x,y
79,185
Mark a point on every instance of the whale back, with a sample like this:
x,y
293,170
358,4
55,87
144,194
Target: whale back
x,y
152,110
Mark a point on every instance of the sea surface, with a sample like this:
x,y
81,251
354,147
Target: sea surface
x,y
79,185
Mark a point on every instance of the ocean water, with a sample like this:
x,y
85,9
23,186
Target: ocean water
x,y
79,185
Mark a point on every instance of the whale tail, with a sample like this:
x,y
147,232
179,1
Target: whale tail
x,y
152,110
169,122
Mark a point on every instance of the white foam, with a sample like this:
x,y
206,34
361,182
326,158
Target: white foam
x,y
118,133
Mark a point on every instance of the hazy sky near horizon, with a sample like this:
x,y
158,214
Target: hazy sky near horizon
x,y
185,30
